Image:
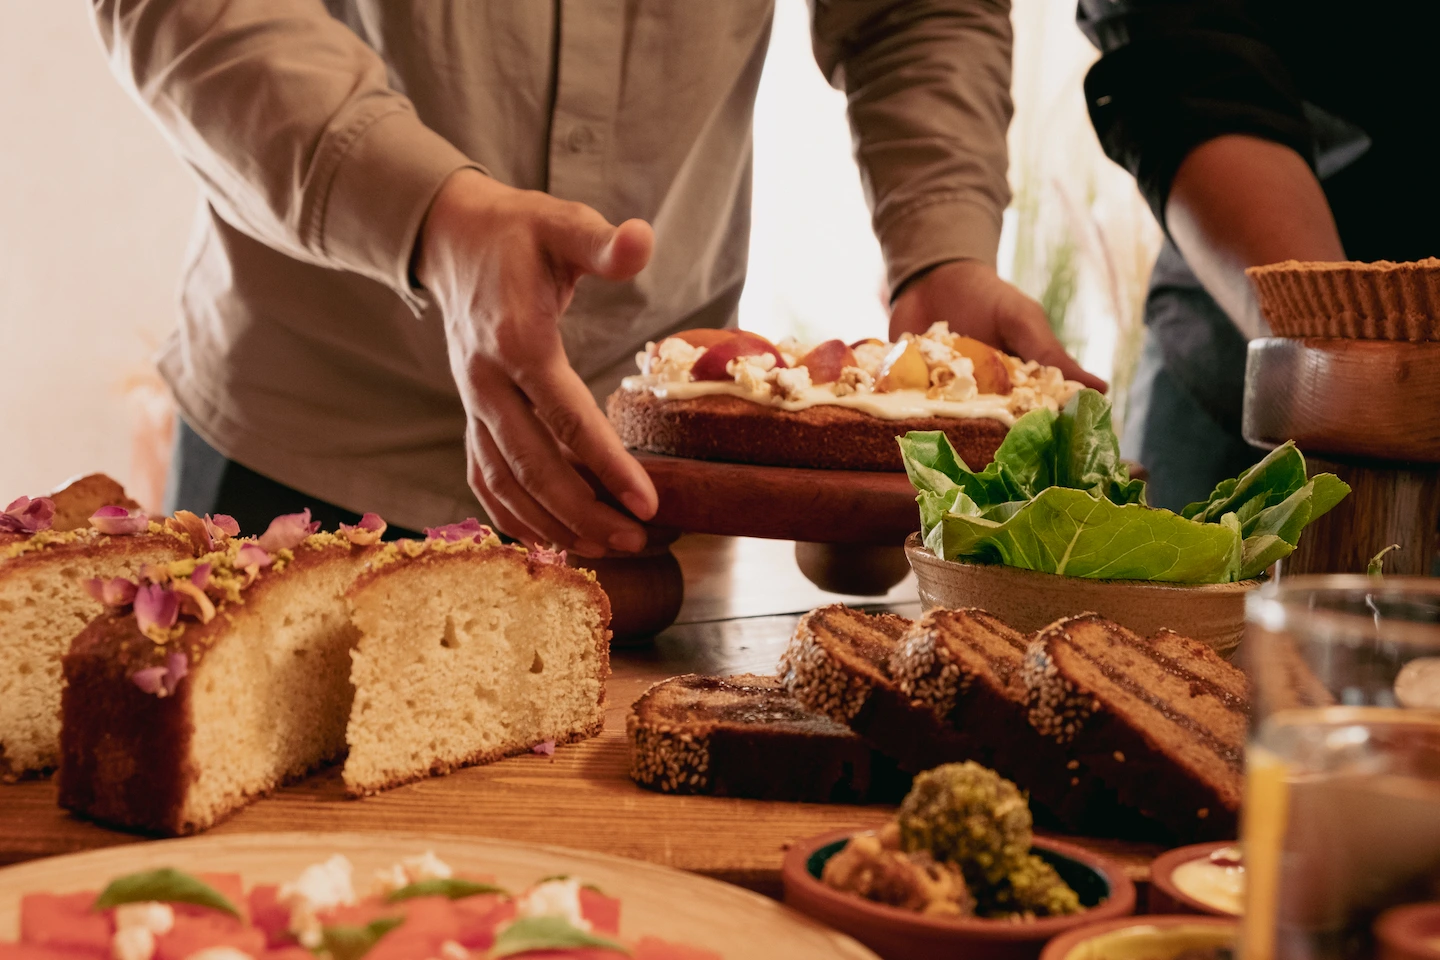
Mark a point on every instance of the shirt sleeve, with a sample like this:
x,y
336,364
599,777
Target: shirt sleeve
x,y
1176,73
928,83
287,119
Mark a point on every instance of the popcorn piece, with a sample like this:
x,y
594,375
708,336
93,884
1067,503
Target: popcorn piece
x,y
854,380
553,898
752,373
320,887
670,360
870,357
955,380
790,382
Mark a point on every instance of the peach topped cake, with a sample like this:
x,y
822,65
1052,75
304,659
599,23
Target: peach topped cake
x,y
53,565
733,395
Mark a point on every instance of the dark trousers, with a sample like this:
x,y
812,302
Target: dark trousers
x,y
203,480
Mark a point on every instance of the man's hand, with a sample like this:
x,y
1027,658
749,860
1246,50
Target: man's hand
x,y
972,298
502,264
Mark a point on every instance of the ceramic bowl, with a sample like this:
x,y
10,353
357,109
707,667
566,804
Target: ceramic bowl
x,y
897,934
1159,937
1411,932
1166,897
1213,613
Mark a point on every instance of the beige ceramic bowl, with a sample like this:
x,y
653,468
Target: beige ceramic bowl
x,y
1213,613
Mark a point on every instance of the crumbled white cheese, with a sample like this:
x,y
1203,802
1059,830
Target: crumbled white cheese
x,y
321,887
870,357
670,360
153,916
940,330
132,943
453,950
553,898
790,381
220,953
427,866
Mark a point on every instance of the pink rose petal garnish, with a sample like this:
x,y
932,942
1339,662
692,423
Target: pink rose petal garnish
x,y
192,601
286,532
546,748
548,555
250,556
194,528
155,572
116,593
464,530
366,532
165,680
118,521
24,515
200,576
224,523
156,610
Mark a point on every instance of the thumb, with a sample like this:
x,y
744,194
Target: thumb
x,y
586,241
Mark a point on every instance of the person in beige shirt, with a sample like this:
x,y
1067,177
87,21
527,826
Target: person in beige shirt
x,y
407,286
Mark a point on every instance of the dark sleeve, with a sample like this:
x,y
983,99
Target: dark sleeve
x,y
1175,73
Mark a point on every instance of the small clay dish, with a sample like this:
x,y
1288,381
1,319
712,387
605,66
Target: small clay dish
x,y
1166,896
1411,932
897,934
1158,937
1213,613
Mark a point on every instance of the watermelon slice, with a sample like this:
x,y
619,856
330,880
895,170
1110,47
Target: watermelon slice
x,y
192,934
653,948
36,951
64,920
603,912
270,916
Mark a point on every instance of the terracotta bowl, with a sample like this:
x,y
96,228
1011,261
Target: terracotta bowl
x,y
1409,933
1165,897
1159,937
1213,613
897,934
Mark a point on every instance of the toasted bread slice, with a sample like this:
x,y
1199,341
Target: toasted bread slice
x,y
745,736
1162,721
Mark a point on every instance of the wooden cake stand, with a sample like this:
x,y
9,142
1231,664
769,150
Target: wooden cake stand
x,y
1369,412
849,527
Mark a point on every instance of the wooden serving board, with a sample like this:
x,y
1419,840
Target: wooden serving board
x,y
655,901
782,503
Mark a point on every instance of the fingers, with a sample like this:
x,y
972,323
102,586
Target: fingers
x,y
587,242
1029,336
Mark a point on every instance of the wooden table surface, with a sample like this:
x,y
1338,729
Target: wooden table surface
x,y
742,599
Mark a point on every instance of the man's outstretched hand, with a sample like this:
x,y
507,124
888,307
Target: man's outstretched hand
x,y
502,264
972,298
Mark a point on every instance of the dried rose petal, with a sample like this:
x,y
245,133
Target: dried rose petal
x,y
118,521
546,748
117,592
194,528
455,532
548,555
200,576
286,532
24,515
224,523
164,680
156,610
193,602
366,532
150,680
155,572
250,555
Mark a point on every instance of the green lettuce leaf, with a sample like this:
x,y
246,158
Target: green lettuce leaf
x,y
166,885
1059,499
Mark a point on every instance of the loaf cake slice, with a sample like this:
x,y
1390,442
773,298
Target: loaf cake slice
x,y
219,679
745,736
44,603
837,665
1161,721
470,651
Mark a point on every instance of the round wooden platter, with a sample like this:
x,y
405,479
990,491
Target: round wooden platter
x,y
656,901
782,503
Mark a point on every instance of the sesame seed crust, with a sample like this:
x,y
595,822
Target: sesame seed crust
x,y
1056,707
668,759
927,673
819,680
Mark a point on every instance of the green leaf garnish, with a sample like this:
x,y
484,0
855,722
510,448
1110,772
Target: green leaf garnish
x,y
1057,498
1376,567
548,933
452,887
344,942
165,885
566,876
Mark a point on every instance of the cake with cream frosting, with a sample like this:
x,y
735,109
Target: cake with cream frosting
x,y
733,395
55,555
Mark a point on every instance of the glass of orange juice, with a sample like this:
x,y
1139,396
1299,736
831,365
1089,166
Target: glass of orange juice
x,y
1342,805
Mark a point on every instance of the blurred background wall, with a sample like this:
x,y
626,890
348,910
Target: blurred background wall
x,y
95,213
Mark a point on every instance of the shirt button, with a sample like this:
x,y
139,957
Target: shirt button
x,y
580,139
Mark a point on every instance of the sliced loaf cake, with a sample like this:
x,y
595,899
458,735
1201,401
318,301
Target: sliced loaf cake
x,y
216,680
470,651
745,736
1162,720
45,602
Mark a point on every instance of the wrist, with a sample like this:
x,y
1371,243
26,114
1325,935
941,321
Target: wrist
x,y
462,197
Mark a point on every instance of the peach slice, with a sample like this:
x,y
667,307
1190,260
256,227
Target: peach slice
x,y
992,373
740,343
703,336
860,343
827,360
904,368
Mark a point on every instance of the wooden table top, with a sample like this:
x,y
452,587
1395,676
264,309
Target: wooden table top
x,y
743,597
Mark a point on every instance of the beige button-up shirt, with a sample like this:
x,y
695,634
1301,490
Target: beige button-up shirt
x,y
321,131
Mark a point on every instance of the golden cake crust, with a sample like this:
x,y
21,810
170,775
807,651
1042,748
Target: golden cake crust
x,y
827,437
1351,300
